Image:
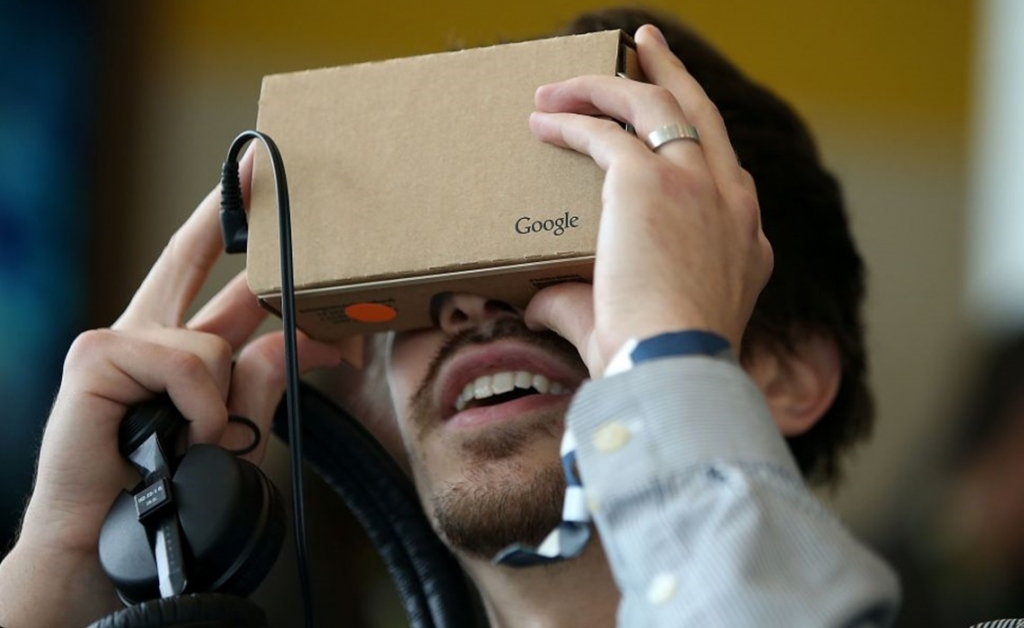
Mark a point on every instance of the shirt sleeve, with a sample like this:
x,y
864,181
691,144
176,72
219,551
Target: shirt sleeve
x,y
702,510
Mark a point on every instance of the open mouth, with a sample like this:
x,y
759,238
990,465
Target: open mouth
x,y
498,388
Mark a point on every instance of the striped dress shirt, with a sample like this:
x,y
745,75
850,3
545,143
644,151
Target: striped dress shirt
x,y
703,512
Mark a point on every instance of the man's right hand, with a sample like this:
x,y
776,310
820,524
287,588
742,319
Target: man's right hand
x,y
52,576
680,246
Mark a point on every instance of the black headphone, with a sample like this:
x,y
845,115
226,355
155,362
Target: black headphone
x,y
430,582
204,521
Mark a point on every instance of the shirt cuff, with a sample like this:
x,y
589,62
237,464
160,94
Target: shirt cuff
x,y
670,417
667,345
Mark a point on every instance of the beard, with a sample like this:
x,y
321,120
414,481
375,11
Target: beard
x,y
511,490
487,512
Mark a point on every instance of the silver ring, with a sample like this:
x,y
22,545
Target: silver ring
x,y
670,133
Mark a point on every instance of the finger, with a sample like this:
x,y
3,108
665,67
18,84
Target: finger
x,y
258,383
566,309
245,166
603,140
215,353
234,313
108,372
183,266
663,68
353,351
647,107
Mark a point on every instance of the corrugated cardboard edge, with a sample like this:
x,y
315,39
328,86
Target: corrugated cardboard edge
x,y
323,313
401,282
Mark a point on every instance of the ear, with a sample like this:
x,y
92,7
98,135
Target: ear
x,y
799,382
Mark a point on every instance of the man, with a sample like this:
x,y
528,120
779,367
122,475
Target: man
x,y
700,512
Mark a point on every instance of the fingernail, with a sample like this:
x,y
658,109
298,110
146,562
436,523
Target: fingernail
x,y
660,36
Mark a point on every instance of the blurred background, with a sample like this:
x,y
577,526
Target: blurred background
x,y
115,116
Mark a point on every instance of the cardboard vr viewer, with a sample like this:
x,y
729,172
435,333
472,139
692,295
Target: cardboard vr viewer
x,y
414,178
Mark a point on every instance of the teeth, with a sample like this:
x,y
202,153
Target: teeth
x,y
500,383
524,380
482,387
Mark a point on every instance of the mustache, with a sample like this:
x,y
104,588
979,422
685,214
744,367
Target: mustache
x,y
507,328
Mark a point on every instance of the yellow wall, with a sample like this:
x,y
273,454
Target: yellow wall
x,y
904,58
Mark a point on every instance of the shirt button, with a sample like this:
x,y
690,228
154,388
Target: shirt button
x,y
663,586
611,436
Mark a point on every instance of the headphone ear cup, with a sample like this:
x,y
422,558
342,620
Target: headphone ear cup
x,y
125,554
258,563
232,519
195,610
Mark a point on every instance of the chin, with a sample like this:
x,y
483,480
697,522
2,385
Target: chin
x,y
496,504
486,489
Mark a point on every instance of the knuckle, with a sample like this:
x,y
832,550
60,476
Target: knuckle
x,y
747,179
664,100
768,253
218,350
605,125
745,203
706,110
599,129
747,184
578,84
266,360
186,363
180,252
88,346
218,355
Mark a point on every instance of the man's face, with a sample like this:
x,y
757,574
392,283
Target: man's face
x,y
480,402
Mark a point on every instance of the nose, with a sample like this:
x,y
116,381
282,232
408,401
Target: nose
x,y
456,312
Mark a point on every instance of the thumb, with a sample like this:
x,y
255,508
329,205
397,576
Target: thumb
x,y
568,310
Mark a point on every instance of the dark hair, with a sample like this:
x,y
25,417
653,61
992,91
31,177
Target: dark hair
x,y
818,282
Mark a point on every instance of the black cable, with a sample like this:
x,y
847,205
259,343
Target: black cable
x,y
256,437
235,232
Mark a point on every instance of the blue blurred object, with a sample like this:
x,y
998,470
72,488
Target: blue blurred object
x,y
47,93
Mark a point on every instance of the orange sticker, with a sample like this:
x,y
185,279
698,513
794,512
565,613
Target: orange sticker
x,y
370,312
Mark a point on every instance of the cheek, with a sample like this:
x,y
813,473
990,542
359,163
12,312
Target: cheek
x,y
407,366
